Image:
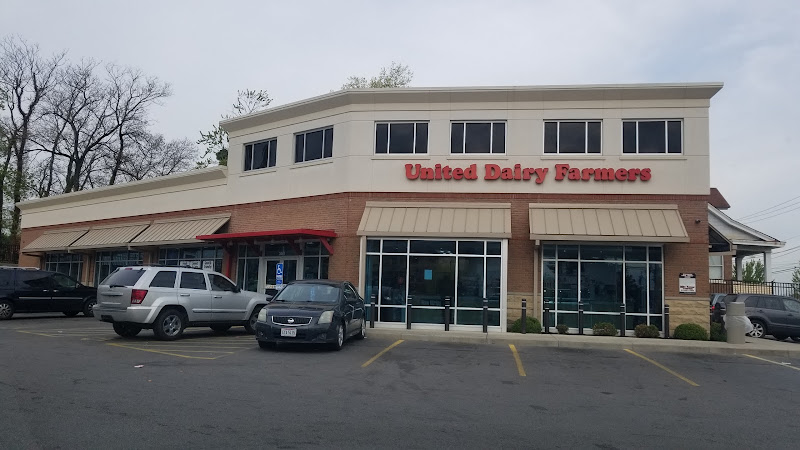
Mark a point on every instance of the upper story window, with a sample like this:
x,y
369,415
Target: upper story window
x,y
401,137
259,155
314,144
652,136
478,137
572,137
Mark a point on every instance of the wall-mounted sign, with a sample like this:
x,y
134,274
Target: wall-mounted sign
x,y
687,283
192,264
208,265
518,173
279,274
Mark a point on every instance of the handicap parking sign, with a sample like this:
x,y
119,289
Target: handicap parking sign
x,y
278,274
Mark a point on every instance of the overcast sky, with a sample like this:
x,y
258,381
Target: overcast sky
x,y
294,50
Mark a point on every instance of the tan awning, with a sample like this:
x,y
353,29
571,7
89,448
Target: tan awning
x,y
54,240
475,220
180,231
596,222
109,236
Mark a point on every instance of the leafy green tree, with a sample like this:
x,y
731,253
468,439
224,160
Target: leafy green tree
x,y
753,272
396,75
796,280
216,141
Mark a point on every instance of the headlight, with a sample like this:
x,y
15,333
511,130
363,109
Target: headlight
x,y
262,315
325,317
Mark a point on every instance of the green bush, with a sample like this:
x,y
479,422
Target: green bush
x,y
646,331
718,332
562,328
691,332
604,329
532,325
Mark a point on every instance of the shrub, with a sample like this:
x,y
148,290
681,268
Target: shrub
x,y
532,325
646,331
718,332
691,331
604,329
562,328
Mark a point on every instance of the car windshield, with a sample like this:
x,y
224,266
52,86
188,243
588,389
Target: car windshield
x,y
315,293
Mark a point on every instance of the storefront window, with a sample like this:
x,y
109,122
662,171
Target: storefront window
x,y
247,268
602,278
108,262
67,263
209,258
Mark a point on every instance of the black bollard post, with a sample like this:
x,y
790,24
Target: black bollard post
x,y
373,312
447,314
408,313
580,317
546,318
524,319
666,321
622,320
485,315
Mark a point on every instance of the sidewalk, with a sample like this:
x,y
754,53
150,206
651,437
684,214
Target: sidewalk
x,y
757,347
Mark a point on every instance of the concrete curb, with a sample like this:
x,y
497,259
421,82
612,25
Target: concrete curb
x,y
756,347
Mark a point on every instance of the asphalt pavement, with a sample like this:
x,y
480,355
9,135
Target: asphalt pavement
x,y
72,383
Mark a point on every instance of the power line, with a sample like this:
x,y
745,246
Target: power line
x,y
771,207
774,215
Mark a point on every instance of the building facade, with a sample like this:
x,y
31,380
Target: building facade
x,y
578,196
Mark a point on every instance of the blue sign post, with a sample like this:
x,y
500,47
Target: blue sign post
x,y
279,274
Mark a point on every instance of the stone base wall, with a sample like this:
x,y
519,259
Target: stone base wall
x,y
687,310
533,306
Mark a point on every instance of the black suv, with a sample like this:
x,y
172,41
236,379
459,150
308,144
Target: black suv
x,y
33,290
770,314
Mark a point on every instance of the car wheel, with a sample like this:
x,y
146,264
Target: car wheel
x,y
362,333
780,337
70,313
126,330
266,345
796,338
88,307
250,325
169,325
6,309
220,328
759,330
339,342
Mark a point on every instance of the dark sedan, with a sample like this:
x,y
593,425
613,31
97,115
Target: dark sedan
x,y
312,312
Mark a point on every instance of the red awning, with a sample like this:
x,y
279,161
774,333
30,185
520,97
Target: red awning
x,y
289,235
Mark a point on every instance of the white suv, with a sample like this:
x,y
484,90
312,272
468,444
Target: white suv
x,y
169,299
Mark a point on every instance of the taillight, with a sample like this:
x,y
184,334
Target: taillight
x,y
137,295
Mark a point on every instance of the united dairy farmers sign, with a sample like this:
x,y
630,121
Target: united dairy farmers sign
x,y
518,173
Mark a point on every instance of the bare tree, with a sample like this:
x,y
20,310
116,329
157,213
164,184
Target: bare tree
x,y
216,141
26,79
396,75
151,155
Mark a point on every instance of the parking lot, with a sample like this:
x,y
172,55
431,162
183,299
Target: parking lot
x,y
73,383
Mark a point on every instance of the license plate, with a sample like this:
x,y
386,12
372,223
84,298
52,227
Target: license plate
x,y
288,332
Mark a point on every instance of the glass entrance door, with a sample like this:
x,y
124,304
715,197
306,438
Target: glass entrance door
x,y
291,272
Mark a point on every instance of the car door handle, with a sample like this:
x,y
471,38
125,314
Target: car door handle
x,y
217,296
184,295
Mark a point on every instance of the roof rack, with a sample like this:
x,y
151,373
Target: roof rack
x,y
19,267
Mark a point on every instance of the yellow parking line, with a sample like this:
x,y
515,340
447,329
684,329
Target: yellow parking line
x,y
770,361
371,360
661,366
520,369
170,353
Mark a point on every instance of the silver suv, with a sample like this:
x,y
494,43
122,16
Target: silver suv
x,y
169,299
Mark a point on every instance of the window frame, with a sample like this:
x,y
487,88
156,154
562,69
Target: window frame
x,y
389,123
305,134
270,151
491,136
721,266
558,123
666,151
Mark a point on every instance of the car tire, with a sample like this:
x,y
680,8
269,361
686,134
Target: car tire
x,y
169,325
759,329
220,328
70,313
266,345
126,330
796,338
6,309
362,333
250,325
88,307
780,337
340,334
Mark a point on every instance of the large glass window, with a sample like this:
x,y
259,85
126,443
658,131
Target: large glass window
x,y
208,258
260,155
401,137
312,145
247,267
715,267
478,137
428,273
571,137
601,278
315,261
108,262
652,136
67,263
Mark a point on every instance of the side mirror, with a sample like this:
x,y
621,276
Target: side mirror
x,y
236,289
